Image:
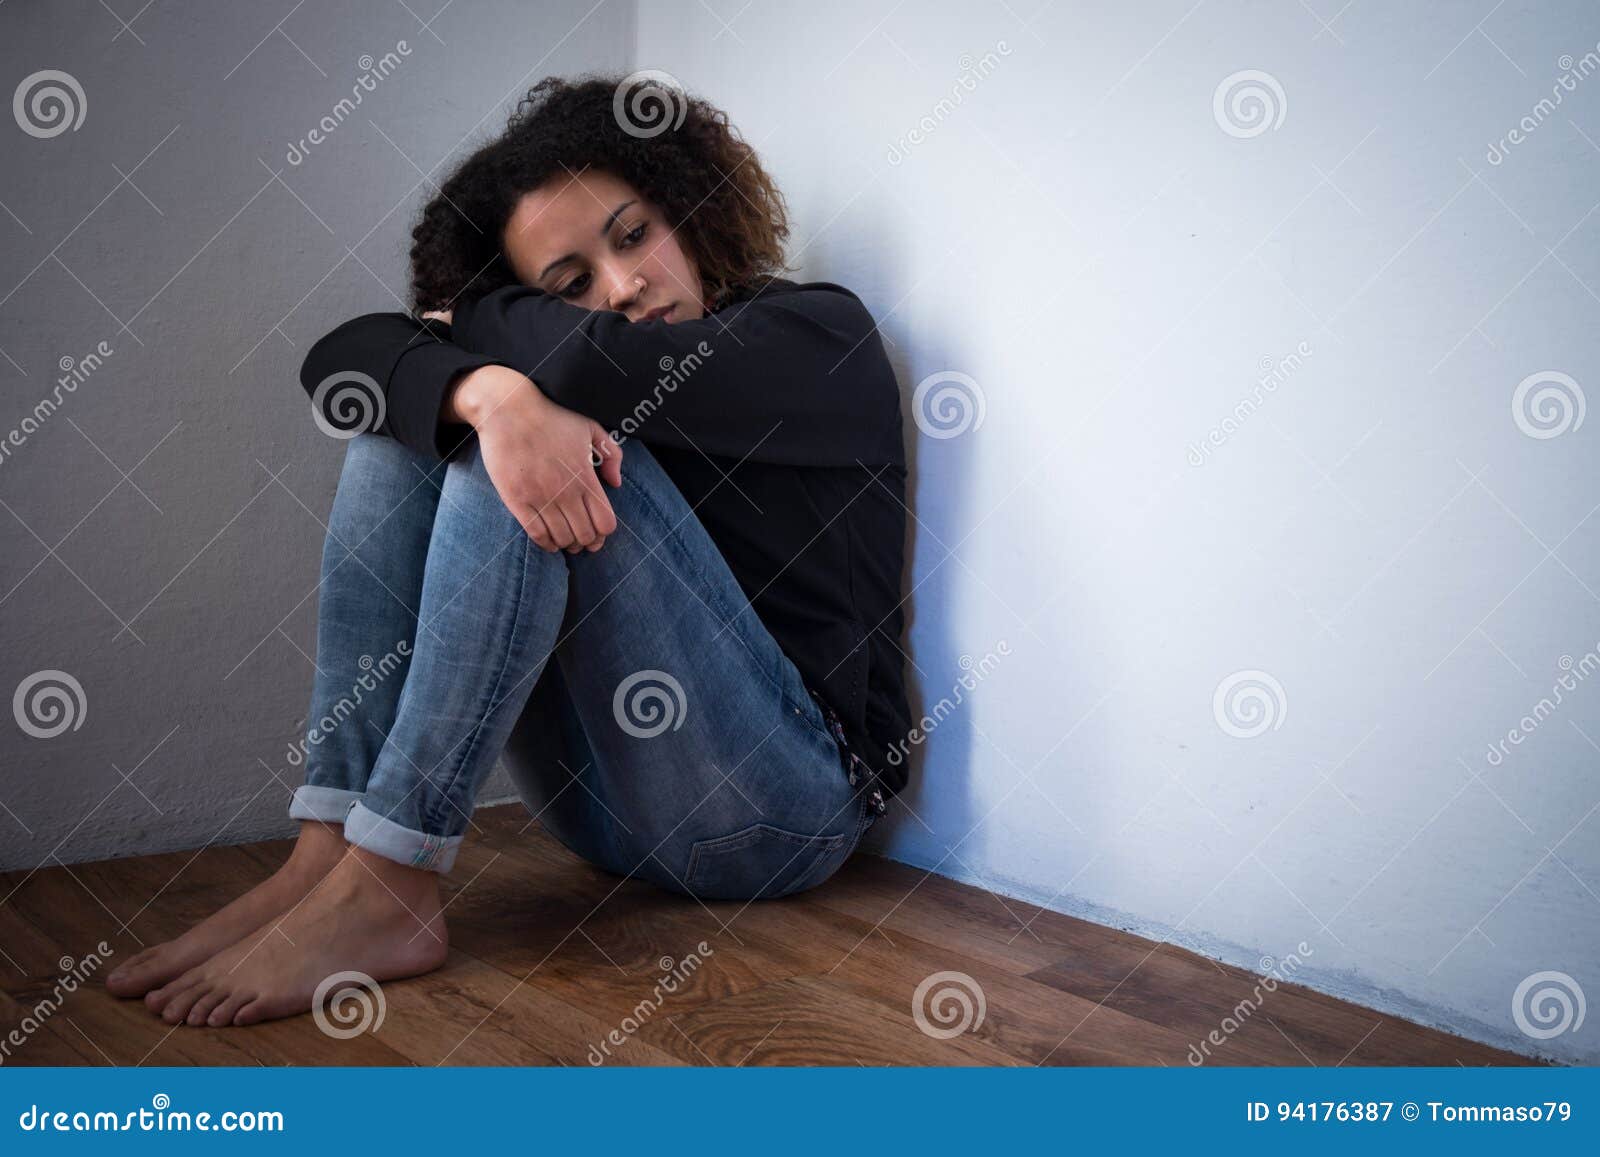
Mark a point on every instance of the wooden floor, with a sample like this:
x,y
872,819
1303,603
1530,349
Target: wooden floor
x,y
549,957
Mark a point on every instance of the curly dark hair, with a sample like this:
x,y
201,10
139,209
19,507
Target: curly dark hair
x,y
708,183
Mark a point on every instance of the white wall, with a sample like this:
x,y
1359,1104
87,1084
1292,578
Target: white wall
x,y
1077,232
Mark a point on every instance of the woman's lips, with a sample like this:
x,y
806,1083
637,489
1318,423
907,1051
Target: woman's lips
x,y
657,314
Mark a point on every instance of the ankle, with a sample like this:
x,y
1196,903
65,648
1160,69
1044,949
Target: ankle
x,y
383,884
319,848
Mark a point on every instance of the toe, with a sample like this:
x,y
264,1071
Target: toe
x,y
202,1007
131,963
178,1007
232,1003
250,1012
157,999
128,978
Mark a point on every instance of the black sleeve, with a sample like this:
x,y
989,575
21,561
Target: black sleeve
x,y
796,375
410,363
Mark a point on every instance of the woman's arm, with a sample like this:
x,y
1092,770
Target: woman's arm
x,y
415,368
540,456
797,374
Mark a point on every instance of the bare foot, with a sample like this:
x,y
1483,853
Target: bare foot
x,y
368,915
318,849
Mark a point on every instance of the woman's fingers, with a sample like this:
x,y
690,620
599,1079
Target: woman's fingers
x,y
561,531
534,524
607,454
535,527
601,515
577,515
597,508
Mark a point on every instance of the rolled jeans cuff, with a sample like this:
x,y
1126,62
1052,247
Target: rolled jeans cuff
x,y
365,828
328,804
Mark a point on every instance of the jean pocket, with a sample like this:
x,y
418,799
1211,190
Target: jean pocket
x,y
760,862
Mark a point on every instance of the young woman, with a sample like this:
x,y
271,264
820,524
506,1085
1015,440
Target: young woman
x,y
624,499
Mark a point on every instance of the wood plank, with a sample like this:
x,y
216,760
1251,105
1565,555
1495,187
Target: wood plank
x,y
1023,1018
614,952
812,1021
981,925
1193,1000
56,1040
470,1013
1290,1025
1402,1042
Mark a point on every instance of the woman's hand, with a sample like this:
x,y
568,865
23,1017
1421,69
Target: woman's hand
x,y
541,458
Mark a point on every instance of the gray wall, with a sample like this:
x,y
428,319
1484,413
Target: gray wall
x,y
161,526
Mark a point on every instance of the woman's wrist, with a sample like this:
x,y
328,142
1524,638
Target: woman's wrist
x,y
481,392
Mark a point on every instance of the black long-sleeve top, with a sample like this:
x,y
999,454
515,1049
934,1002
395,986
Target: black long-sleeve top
x,y
778,418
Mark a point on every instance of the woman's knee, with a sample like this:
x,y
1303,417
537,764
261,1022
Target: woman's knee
x,y
379,478
649,509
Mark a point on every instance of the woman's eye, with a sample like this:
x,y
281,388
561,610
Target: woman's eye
x,y
579,285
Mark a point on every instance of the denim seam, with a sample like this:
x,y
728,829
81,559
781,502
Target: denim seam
x,y
823,866
427,851
734,841
432,818
351,798
710,587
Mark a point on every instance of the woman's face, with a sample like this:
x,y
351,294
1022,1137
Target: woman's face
x,y
593,240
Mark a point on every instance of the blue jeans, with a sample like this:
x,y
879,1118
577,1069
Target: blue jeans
x,y
671,739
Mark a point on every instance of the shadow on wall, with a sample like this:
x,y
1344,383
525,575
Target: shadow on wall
x,y
956,624
877,274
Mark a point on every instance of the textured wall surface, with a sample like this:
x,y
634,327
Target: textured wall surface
x,y
163,523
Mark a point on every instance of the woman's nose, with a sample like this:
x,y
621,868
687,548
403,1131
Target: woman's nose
x,y
626,291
